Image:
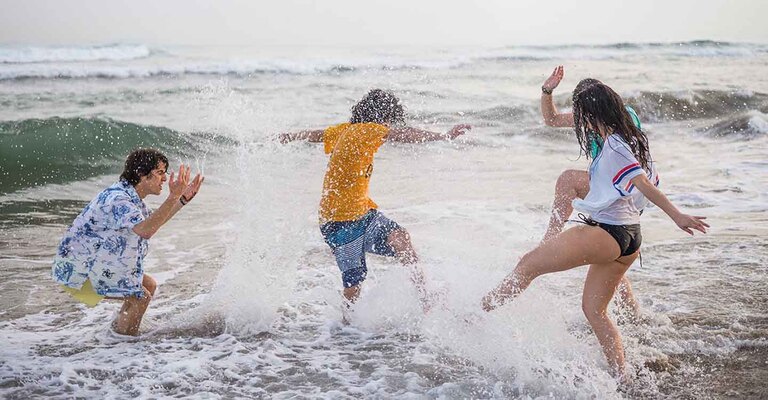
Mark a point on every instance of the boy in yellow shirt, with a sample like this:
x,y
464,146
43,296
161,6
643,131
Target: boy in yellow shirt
x,y
349,219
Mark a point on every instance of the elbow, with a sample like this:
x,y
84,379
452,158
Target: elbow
x,y
143,234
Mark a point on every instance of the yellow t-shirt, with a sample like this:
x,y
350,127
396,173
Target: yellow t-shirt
x,y
345,189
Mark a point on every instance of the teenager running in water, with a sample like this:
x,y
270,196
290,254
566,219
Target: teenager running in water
x,y
573,183
609,240
349,220
398,131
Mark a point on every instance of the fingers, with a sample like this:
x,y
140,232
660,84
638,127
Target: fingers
x,y
700,226
196,182
184,172
699,220
170,180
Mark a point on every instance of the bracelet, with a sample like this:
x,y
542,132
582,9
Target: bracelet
x,y
546,91
183,201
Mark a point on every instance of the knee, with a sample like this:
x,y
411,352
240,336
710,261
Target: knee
x,y
150,284
146,297
594,312
400,236
526,268
400,241
567,179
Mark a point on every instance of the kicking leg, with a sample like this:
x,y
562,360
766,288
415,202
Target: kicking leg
x,y
599,288
571,184
580,245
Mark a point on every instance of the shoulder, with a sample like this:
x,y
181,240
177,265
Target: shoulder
x,y
616,144
332,134
120,192
617,151
370,129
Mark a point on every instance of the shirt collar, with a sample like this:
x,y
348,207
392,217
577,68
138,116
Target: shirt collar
x,y
128,188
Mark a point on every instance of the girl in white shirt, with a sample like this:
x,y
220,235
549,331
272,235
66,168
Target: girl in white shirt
x,y
622,177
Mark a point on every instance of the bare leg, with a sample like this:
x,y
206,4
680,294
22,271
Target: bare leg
x,y
352,293
400,241
133,309
599,288
570,185
627,301
149,283
577,246
580,245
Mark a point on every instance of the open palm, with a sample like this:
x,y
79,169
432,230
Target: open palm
x,y
554,79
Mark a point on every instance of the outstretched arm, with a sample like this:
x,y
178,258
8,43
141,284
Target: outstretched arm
x,y
684,221
182,192
548,109
415,135
314,135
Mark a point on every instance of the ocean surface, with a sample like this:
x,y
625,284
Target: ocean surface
x,y
249,301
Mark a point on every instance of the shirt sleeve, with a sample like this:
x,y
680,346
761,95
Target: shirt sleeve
x,y
123,213
623,166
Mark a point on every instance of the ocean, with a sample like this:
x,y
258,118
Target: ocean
x,y
249,302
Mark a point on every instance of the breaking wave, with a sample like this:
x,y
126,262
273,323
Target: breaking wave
x,y
57,150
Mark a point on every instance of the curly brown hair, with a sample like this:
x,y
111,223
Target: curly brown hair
x,y
378,106
140,163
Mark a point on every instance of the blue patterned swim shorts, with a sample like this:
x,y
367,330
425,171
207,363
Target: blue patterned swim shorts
x,y
350,240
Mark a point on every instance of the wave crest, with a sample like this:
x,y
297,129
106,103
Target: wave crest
x,y
32,54
57,150
698,104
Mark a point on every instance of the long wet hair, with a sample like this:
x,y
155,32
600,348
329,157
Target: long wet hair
x,y
378,106
595,105
140,163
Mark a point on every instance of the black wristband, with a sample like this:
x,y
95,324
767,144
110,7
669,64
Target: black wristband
x,y
546,91
183,201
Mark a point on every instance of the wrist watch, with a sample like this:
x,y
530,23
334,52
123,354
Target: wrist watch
x,y
546,91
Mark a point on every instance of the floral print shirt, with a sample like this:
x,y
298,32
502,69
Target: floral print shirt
x,y
101,245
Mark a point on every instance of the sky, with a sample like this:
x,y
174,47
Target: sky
x,y
379,22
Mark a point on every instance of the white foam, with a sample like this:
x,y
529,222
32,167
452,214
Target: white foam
x,y
34,54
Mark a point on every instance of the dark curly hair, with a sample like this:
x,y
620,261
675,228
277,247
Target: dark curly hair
x,y
140,163
378,106
597,106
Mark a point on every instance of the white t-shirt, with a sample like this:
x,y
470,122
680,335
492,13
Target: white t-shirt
x,y
612,198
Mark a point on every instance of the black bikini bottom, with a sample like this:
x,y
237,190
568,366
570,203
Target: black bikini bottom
x,y
628,237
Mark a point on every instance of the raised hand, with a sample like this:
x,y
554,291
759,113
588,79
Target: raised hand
x,y
688,222
177,185
457,131
191,190
551,83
